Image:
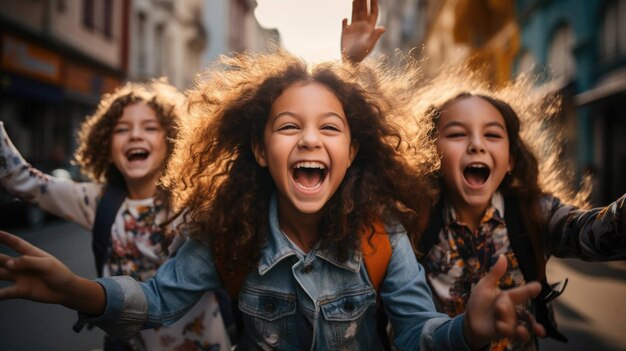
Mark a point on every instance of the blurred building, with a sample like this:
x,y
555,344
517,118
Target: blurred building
x,y
58,57
582,44
166,39
232,27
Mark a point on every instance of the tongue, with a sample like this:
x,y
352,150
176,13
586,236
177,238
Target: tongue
x,y
308,177
475,177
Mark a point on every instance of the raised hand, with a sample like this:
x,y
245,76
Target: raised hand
x,y
39,276
491,314
359,37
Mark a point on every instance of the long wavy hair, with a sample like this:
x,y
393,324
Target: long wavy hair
x,y
224,194
94,138
522,182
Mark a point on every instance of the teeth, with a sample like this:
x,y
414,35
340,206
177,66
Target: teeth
x,y
476,165
318,165
136,152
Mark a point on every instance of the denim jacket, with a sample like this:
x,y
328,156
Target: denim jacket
x,y
293,301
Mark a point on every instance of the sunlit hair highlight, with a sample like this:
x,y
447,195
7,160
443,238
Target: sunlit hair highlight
x,y
225,194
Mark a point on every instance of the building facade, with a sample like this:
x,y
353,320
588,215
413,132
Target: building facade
x,y
582,45
167,39
58,58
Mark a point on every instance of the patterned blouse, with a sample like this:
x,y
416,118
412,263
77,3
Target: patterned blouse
x,y
139,246
461,257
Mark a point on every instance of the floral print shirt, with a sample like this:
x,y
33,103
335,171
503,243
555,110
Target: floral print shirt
x,y
138,245
461,257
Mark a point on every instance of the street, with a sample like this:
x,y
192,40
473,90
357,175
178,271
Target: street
x,y
30,326
591,311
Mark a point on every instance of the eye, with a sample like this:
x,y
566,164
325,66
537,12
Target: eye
x,y
288,126
152,128
331,127
120,130
493,135
455,135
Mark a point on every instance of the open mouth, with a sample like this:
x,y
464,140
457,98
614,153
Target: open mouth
x,y
137,154
309,175
476,174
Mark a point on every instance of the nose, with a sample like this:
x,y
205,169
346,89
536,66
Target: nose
x,y
310,139
136,132
476,145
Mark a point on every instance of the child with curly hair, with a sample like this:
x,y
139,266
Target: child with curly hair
x,y
123,148
280,173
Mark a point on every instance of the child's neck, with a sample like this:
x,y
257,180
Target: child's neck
x,y
139,190
301,228
469,215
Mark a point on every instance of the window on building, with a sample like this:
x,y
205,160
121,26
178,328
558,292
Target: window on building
x,y
108,18
561,54
141,44
88,13
159,41
613,31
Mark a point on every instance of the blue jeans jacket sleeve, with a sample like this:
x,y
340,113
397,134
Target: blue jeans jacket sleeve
x,y
409,305
166,297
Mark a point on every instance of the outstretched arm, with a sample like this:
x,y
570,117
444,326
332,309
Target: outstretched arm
x,y
491,313
65,198
359,37
39,276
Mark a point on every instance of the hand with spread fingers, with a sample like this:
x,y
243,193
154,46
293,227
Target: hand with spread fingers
x,y
491,313
41,277
359,37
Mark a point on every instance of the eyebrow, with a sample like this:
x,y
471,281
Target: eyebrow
x,y
459,124
325,114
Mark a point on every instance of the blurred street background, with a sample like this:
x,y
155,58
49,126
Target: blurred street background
x,y
57,57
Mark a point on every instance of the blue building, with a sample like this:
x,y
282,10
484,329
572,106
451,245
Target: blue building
x,y
581,44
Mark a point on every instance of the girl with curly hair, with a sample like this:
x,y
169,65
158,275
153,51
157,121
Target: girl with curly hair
x,y
123,148
280,172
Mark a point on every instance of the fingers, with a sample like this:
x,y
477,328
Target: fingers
x,y
10,292
20,245
375,36
344,25
524,293
6,275
30,263
374,9
497,271
359,10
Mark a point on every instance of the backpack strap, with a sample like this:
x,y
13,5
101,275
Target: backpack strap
x,y
431,234
525,254
106,210
376,254
520,241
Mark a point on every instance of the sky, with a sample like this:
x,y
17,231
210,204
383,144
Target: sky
x,y
308,28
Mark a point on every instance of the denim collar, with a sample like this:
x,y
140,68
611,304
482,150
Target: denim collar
x,y
278,247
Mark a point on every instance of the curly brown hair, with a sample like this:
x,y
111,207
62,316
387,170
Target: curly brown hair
x,y
224,194
522,182
94,151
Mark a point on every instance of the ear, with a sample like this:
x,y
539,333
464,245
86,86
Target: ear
x,y
354,149
511,163
259,154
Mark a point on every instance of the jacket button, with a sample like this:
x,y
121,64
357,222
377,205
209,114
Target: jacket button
x,y
308,268
269,307
348,306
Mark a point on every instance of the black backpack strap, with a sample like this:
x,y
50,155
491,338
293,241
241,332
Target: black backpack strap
x,y
520,241
106,210
525,254
431,234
